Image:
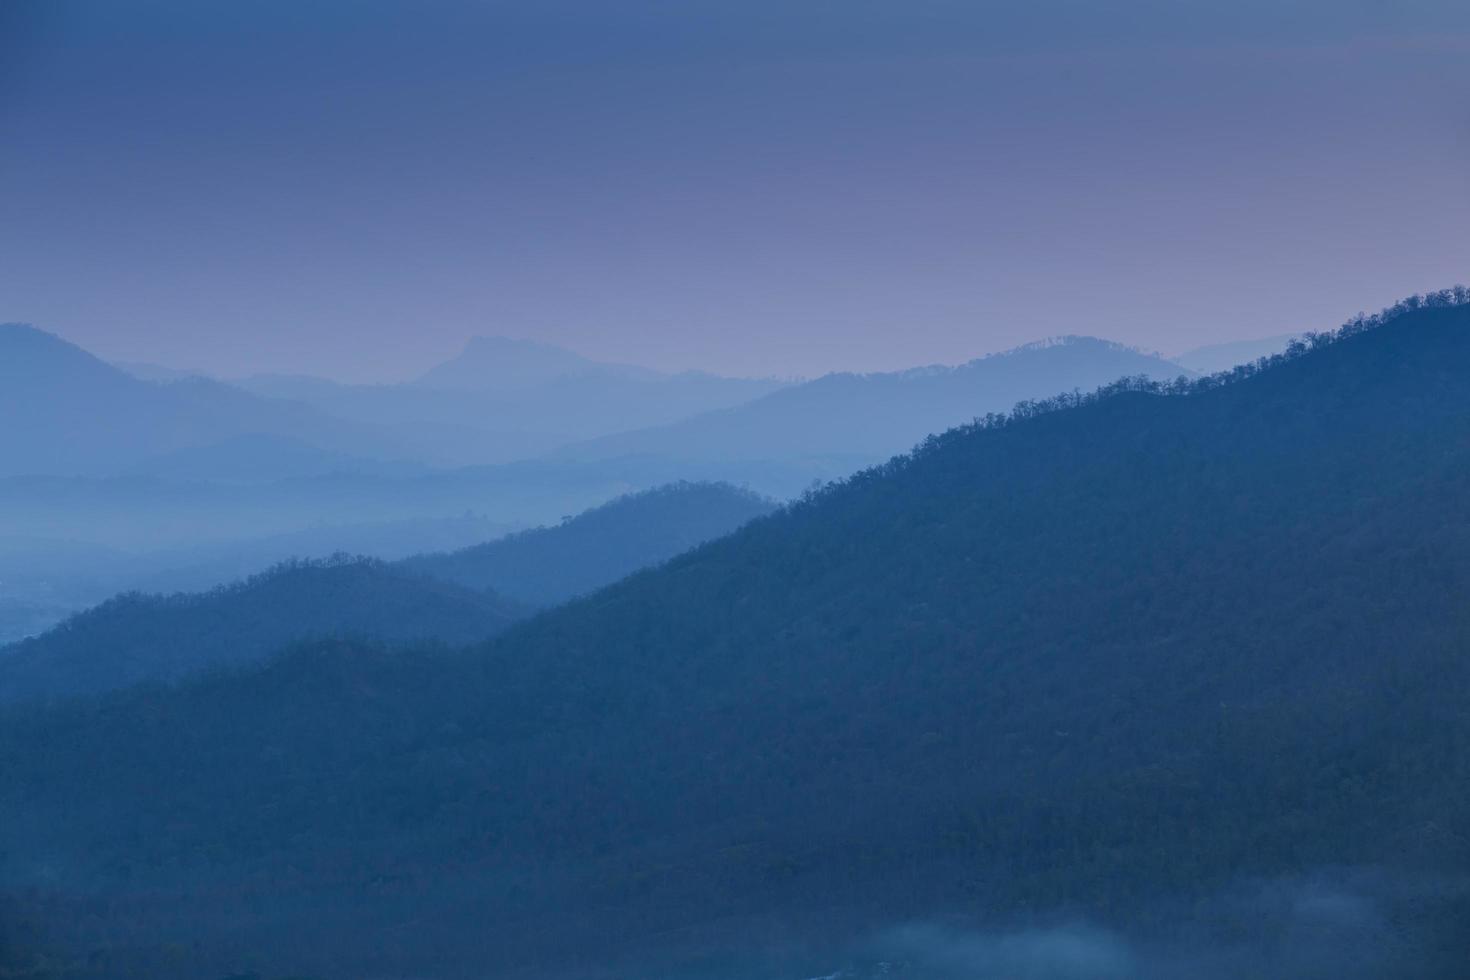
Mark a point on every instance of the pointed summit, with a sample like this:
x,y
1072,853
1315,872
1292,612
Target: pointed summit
x,y
510,363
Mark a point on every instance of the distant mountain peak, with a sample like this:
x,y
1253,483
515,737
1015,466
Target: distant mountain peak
x,y
488,361
1222,357
871,417
15,329
1074,340
23,337
1081,343
33,356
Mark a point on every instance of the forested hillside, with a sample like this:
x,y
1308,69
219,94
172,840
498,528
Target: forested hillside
x,y
1100,658
134,637
548,565
457,597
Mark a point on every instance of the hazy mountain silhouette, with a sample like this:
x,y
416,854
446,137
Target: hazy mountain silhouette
x,y
1098,658
505,400
542,566
68,412
149,514
134,637
193,569
1223,357
497,401
69,543
20,618
506,364
872,416
71,574
547,565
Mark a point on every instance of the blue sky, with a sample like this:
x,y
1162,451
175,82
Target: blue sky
x,y
756,187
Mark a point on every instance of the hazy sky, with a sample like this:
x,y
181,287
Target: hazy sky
x,y
748,186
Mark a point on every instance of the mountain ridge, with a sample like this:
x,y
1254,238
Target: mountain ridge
x,y
876,415
1099,654
79,415
135,638
548,565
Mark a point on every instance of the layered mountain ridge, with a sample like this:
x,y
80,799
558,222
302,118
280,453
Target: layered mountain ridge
x,y
1100,657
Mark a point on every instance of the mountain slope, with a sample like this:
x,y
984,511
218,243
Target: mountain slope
x,y
1101,659
475,416
68,412
171,637
548,565
135,638
1223,357
873,416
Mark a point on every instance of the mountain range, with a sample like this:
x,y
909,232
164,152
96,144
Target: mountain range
x,y
865,418
451,597
549,565
135,638
189,482
1222,357
501,399
69,413
1112,659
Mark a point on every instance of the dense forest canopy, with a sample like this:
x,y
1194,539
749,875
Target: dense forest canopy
x,y
1105,656
135,638
455,598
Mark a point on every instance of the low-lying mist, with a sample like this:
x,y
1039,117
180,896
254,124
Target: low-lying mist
x,y
1336,925
1326,926
1331,925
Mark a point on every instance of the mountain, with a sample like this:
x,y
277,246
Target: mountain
x,y
201,567
547,565
542,566
20,618
506,364
69,543
152,514
69,413
135,638
1223,357
465,413
1167,681
861,419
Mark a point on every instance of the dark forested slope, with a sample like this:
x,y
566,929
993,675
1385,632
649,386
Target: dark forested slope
x,y
137,637
458,597
1108,654
548,565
